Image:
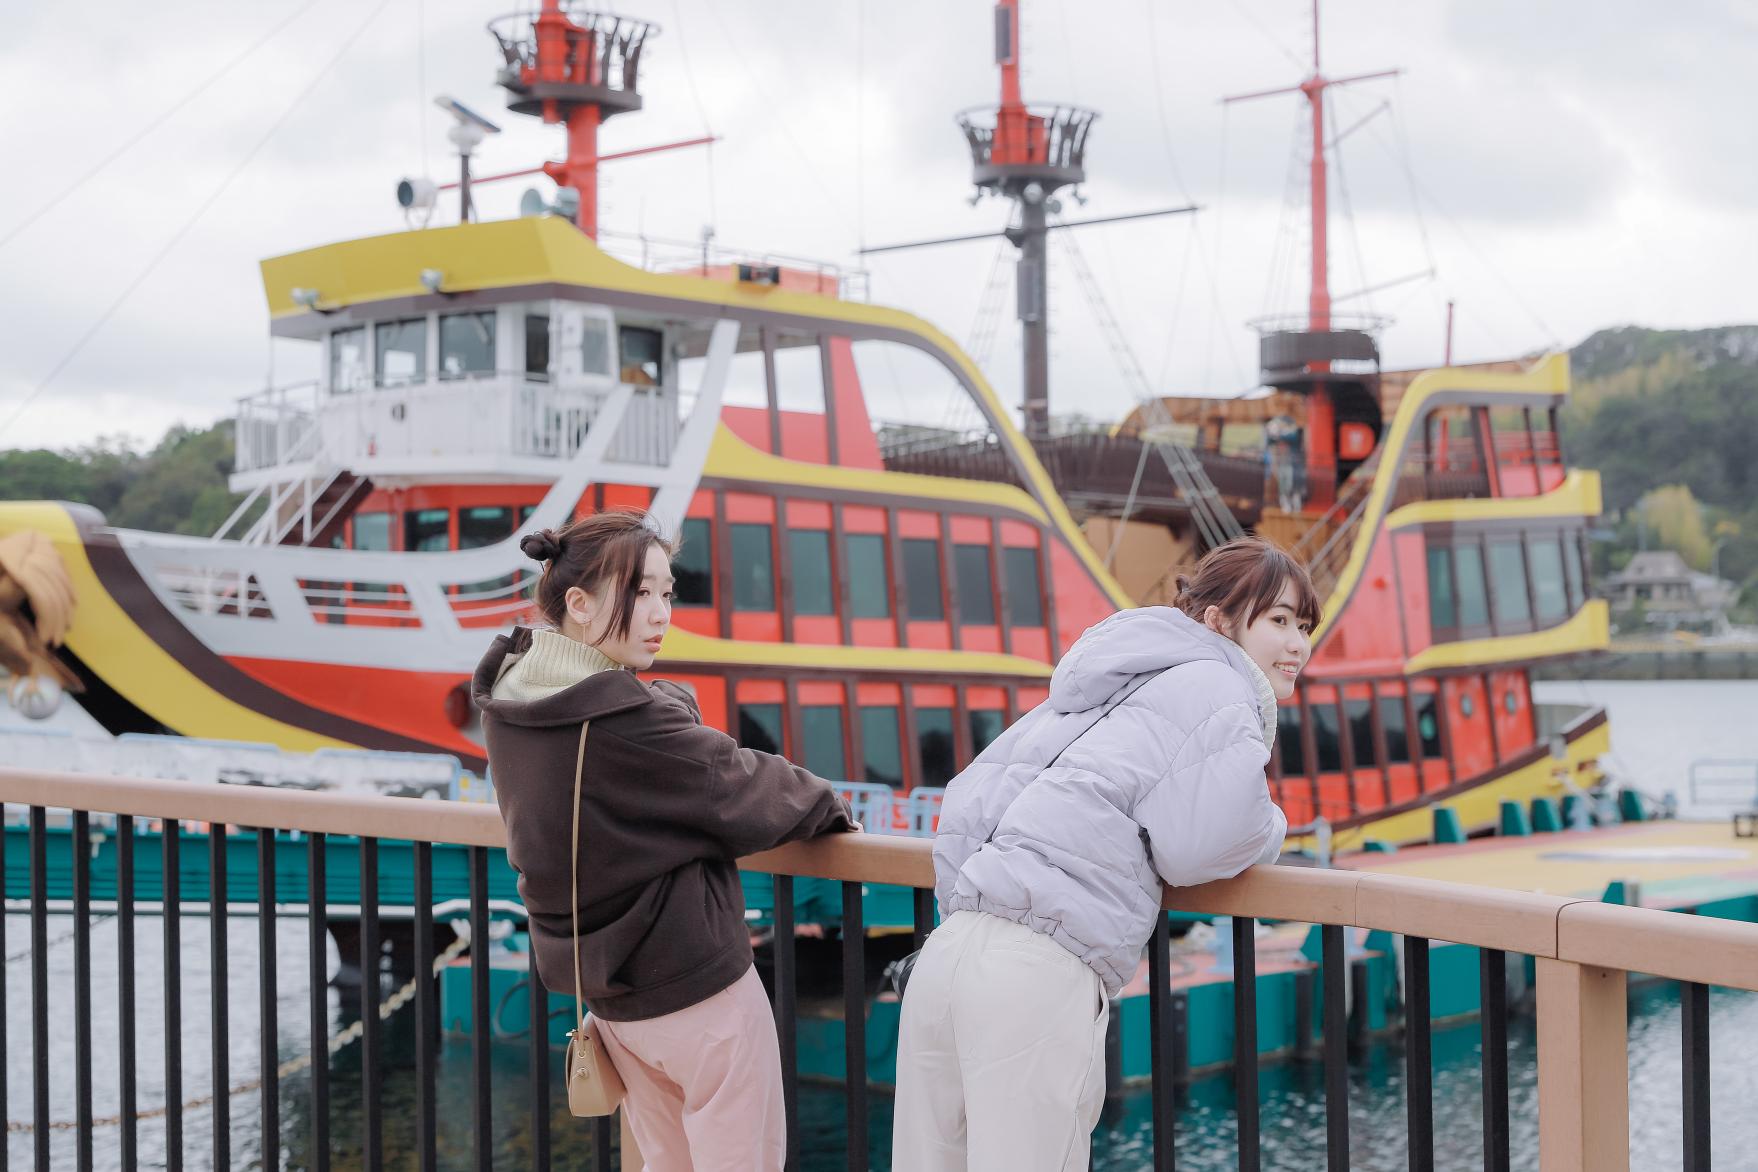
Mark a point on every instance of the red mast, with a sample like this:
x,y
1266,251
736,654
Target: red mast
x,y
1321,423
571,65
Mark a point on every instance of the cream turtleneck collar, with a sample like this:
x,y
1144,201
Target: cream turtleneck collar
x,y
553,663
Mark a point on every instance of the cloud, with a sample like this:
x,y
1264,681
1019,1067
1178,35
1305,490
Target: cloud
x,y
1575,167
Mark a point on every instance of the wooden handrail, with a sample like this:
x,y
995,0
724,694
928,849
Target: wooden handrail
x,y
1577,931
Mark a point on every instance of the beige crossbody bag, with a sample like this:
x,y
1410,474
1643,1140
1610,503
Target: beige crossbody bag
x,y
594,1087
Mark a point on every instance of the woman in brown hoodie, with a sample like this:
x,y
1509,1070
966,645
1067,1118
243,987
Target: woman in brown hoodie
x,y
667,805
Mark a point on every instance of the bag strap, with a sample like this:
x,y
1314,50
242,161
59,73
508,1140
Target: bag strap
x,y
574,897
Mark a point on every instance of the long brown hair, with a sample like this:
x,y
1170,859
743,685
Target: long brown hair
x,y
604,553
1244,578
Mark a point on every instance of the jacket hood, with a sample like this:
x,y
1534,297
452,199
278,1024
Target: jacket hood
x,y
1114,652
599,694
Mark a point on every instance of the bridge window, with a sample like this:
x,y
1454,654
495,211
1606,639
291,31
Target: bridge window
x,y
1507,571
753,568
1397,739
986,725
809,558
1025,604
1549,592
760,727
1327,736
1289,741
347,360
934,741
821,726
693,568
427,530
466,343
641,355
401,352
869,585
594,346
921,569
1359,714
976,588
881,746
537,346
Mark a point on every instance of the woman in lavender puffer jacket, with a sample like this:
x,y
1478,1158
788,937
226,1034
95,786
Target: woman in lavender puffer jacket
x,y
1144,767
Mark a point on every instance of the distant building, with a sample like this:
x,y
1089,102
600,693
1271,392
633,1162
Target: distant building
x,y
1670,592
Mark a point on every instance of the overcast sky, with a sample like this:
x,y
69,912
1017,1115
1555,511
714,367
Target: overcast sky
x,y
1562,167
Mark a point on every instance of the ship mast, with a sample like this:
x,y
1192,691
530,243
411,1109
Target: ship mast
x,y
1026,155
1321,422
576,67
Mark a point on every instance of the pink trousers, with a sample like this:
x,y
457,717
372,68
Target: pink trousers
x,y
704,1083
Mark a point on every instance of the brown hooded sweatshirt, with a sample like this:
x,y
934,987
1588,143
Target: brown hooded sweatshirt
x,y
667,805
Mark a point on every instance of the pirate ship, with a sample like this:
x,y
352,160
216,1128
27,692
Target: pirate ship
x,y
875,601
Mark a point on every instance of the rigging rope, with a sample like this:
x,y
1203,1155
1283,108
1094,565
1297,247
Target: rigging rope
x,y
177,237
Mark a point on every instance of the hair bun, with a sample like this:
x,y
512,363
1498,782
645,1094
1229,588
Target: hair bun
x,y
542,546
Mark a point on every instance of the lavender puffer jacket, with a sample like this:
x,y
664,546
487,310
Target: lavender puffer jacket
x,y
1169,787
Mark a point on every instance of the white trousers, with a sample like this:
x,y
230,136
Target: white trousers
x,y
1000,1053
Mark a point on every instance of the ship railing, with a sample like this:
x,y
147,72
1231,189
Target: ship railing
x,y
467,422
1582,954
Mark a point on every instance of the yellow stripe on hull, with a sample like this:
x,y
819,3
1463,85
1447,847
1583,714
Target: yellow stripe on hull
x,y
1480,806
145,674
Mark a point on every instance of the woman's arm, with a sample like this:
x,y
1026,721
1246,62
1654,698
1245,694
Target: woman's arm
x,y
1210,816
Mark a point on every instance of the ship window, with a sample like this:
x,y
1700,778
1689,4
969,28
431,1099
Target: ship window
x,y
869,587
401,352
1289,740
1572,571
1443,612
881,746
753,568
760,727
1428,729
986,725
1359,713
809,565
537,346
821,726
1397,739
484,526
934,739
372,531
1025,605
1468,576
921,572
640,355
594,346
466,344
347,360
976,589
694,566
1550,594
1507,571
426,530
1327,737
799,373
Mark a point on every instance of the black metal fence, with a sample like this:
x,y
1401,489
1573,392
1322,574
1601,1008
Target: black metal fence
x,y
118,1057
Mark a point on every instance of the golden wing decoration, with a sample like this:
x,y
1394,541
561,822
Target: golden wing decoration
x,y
36,608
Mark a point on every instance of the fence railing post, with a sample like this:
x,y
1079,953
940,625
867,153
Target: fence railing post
x,y
1583,1069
